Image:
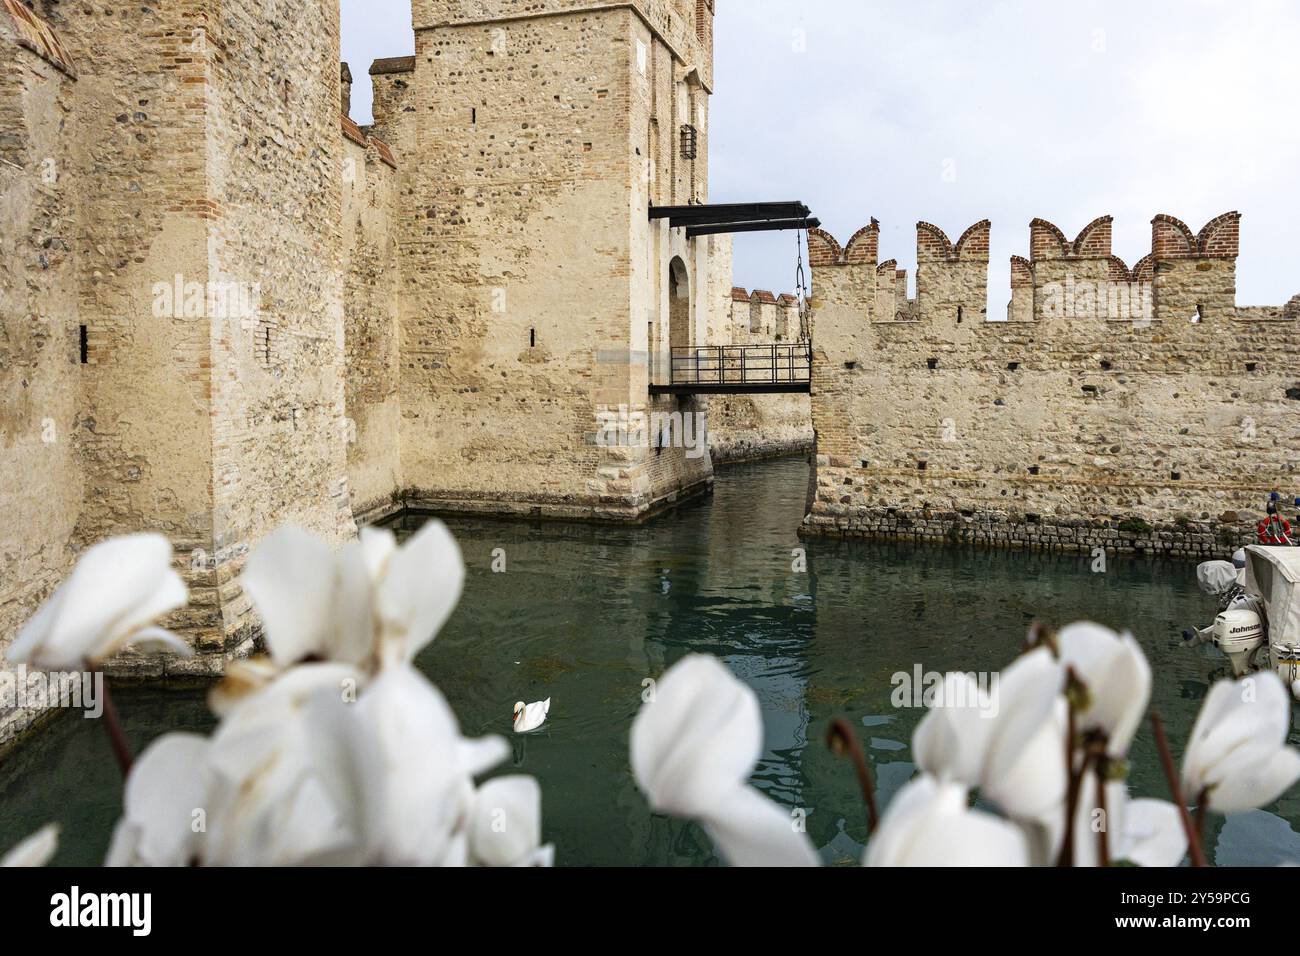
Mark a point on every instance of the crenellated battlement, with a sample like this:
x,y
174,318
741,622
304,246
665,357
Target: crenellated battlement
x,y
933,244
1111,398
1199,275
760,317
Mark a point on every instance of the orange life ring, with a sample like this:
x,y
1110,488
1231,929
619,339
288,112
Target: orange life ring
x,y
1268,531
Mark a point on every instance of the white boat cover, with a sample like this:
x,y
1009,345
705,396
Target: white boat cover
x,y
1274,574
1217,577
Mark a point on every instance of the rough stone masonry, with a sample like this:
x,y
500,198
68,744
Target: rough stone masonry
x,y
1124,409
227,307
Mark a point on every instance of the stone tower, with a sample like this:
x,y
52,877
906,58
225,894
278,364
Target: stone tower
x,y
538,294
180,177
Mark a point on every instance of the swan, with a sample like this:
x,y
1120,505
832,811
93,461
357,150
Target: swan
x,y
531,716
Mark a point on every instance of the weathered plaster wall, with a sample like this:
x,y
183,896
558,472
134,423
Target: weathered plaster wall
x,y
372,290
276,163
139,114
1101,416
41,478
208,160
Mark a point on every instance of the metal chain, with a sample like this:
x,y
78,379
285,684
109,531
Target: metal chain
x,y
801,282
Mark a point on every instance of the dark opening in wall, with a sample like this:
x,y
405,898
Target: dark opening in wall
x,y
920,465
850,365
690,142
1175,476
1251,366
959,315
473,116
1034,469
532,338
865,463
1013,366
932,364
1293,393
83,344
1105,366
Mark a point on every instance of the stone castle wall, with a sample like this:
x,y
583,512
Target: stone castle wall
x,y
371,336
41,475
750,427
174,341
1130,409
227,307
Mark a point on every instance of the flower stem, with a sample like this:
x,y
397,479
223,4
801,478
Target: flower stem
x,y
842,740
1176,791
1202,808
1075,778
1103,840
116,736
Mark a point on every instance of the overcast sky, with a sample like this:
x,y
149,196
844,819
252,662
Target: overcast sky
x,y
952,111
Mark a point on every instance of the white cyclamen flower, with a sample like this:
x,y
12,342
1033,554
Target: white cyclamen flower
x,y
694,747
1009,743
371,603
1143,832
928,823
299,774
167,793
37,850
1237,755
506,824
413,772
263,791
1118,679
117,591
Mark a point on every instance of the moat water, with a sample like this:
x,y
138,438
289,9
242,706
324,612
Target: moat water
x,y
584,613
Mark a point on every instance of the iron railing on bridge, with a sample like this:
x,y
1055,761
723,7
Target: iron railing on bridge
x,y
780,363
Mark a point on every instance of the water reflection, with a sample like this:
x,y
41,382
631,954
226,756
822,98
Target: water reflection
x,y
585,614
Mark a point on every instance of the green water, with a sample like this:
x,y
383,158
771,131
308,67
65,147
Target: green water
x,y
583,614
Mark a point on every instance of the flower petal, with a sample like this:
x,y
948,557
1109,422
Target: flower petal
x,y
168,783
155,640
751,830
420,588
290,578
117,587
1252,776
1153,834
35,632
698,738
929,824
37,850
951,740
1030,782
506,826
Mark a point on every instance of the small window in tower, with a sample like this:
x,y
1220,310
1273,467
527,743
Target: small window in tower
x,y
84,344
690,142
532,338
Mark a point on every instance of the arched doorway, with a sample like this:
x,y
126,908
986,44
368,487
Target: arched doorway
x,y
679,304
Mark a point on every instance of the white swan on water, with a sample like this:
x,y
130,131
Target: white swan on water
x,y
531,716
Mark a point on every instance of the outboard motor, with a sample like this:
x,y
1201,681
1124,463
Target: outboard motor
x,y
1222,581
1239,634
